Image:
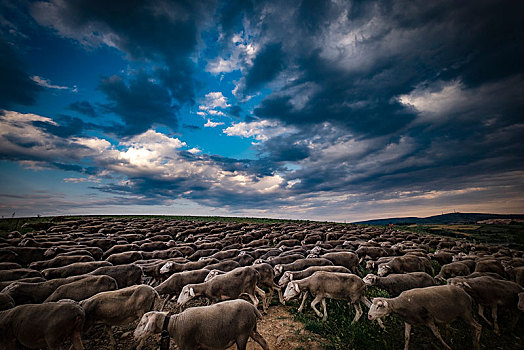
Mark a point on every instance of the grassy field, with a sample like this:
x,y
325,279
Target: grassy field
x,y
338,330
511,235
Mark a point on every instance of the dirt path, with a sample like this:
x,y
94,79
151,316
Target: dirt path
x,y
283,333
277,327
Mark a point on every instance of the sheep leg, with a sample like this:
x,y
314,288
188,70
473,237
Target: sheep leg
x,y
366,301
303,301
481,314
76,339
407,335
259,339
263,297
381,324
111,338
280,297
241,342
165,302
494,317
254,299
313,304
325,309
358,312
436,332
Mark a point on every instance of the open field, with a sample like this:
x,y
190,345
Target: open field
x,y
283,327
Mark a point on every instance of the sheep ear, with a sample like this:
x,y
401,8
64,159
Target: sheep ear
x,y
297,288
467,285
150,323
191,292
385,303
291,277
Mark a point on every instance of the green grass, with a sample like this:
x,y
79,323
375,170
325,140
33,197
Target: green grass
x,y
341,334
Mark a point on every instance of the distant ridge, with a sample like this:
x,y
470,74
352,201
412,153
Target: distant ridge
x,y
451,218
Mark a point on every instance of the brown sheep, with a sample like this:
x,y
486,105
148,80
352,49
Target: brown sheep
x,y
83,288
216,326
40,325
223,287
428,306
118,307
488,291
333,285
397,283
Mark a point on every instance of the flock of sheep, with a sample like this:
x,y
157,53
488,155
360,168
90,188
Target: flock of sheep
x,y
65,277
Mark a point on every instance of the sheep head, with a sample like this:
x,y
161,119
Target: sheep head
x,y
149,324
186,295
286,277
379,308
167,267
370,279
292,290
384,270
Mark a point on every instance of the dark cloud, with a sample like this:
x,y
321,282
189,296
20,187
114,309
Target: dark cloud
x,y
268,63
234,111
141,103
158,31
16,87
83,107
191,127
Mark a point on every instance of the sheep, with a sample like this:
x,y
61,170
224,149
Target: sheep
x,y
395,284
267,277
428,306
60,261
441,257
40,325
452,270
335,285
490,265
83,288
405,263
118,307
517,275
171,266
15,274
6,302
301,264
487,291
74,269
227,286
35,293
373,252
174,284
125,275
120,248
286,259
9,265
224,265
346,259
4,284
298,275
124,258
216,326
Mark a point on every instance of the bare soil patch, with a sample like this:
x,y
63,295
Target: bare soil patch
x,y
278,327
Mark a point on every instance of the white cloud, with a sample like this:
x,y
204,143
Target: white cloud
x,y
211,102
242,51
211,124
260,130
441,101
47,84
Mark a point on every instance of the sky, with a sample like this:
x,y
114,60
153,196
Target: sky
x,y
319,110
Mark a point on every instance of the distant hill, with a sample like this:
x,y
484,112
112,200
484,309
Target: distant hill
x,y
451,218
